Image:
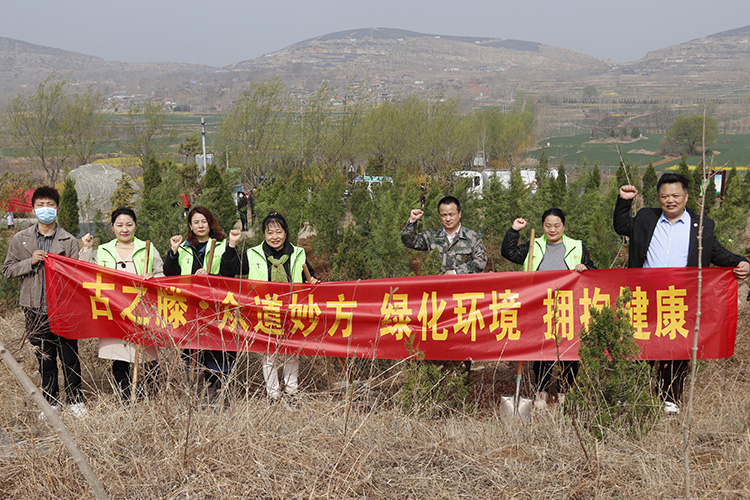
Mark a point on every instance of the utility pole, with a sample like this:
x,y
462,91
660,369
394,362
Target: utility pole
x,y
203,138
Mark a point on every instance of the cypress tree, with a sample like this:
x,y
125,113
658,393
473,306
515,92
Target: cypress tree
x,y
217,197
124,194
385,254
731,216
349,262
151,177
560,190
161,214
68,213
731,174
327,211
594,179
650,197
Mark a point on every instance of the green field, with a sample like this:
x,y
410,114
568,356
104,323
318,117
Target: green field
x,y
734,150
179,125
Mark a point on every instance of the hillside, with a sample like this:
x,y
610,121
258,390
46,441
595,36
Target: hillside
x,y
385,62
396,61
724,56
23,65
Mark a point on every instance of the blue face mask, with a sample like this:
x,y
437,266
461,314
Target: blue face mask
x,y
46,215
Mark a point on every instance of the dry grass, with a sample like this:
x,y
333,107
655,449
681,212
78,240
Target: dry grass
x,y
331,445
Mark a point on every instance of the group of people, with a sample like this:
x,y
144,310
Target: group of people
x,y
658,237
205,249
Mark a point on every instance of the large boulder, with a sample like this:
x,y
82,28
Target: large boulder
x,y
95,183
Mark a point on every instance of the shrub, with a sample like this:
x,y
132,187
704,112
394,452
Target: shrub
x,y
613,388
430,390
68,214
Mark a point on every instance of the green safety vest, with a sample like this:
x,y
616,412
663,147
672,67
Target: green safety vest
x,y
258,265
107,256
185,257
573,252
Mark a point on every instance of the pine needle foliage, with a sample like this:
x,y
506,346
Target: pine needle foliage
x,y
613,388
431,390
68,213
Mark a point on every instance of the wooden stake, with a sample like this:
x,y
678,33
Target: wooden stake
x,y
139,347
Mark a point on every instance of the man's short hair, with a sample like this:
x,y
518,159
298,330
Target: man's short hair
x,y
447,200
671,178
46,193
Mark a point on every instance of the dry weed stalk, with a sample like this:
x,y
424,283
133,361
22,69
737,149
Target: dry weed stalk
x,y
55,421
253,450
696,331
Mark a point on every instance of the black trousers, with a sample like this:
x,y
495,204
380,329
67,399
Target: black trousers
x,y
216,365
48,347
670,378
543,373
121,372
243,219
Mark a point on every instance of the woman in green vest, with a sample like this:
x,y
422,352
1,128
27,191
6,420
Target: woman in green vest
x,y
276,260
192,256
128,254
552,252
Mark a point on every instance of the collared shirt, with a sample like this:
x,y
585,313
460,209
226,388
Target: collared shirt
x,y
670,243
451,238
44,243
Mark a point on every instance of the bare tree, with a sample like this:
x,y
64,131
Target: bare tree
x,y
146,132
36,122
256,131
85,128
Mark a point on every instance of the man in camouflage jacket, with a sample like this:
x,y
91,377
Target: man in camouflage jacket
x,y
461,249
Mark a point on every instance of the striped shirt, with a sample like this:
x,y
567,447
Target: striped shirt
x,y
44,243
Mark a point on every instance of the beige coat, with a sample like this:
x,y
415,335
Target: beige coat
x,y
18,262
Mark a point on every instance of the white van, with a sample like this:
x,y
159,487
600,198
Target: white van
x,y
480,180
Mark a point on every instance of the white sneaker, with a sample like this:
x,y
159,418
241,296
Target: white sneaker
x,y
79,410
43,417
671,408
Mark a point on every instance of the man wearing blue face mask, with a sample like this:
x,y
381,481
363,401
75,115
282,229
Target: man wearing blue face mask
x,y
25,260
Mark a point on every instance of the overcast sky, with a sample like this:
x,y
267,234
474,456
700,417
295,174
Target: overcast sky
x,y
220,32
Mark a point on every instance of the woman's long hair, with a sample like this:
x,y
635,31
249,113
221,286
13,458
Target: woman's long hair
x,y
214,231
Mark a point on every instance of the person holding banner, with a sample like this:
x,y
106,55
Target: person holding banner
x,y
128,254
668,237
276,259
25,260
202,252
553,251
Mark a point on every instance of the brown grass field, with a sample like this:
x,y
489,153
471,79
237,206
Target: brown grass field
x,y
334,443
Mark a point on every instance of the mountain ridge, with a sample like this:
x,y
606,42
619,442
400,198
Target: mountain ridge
x,y
391,61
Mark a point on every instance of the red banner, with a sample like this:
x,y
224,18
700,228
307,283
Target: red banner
x,y
489,316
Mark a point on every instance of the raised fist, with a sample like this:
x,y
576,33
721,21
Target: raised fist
x,y
174,242
415,215
628,192
519,224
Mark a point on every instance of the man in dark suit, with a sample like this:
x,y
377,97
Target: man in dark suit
x,y
668,237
